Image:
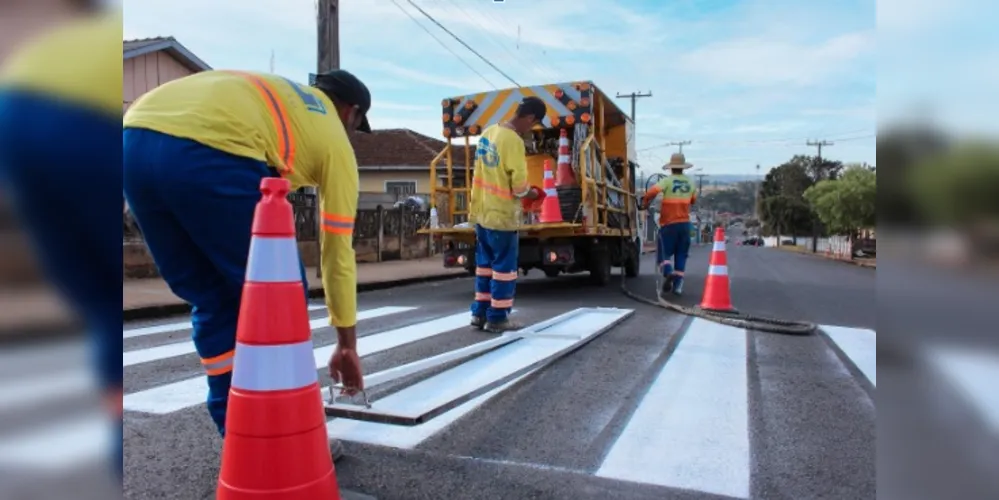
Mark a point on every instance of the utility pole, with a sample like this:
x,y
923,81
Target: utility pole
x,y
633,96
819,145
328,25
700,184
818,177
756,198
679,144
327,59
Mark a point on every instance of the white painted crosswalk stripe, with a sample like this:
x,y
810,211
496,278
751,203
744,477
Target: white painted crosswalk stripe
x,y
147,355
860,345
175,327
191,392
698,404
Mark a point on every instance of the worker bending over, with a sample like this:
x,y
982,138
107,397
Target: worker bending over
x,y
195,151
674,221
60,140
499,183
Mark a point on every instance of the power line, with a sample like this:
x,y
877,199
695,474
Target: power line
x,y
680,144
462,42
519,59
441,42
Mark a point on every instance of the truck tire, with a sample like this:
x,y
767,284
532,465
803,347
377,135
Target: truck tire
x,y
633,260
600,265
552,272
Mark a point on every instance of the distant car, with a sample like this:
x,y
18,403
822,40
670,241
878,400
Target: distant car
x,y
753,242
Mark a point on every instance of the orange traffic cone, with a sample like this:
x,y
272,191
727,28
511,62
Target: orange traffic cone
x,y
276,445
550,210
717,295
565,175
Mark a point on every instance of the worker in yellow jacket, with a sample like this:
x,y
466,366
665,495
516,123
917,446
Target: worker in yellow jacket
x,y
678,195
195,151
60,157
500,181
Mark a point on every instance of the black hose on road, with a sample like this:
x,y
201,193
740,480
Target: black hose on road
x,y
737,320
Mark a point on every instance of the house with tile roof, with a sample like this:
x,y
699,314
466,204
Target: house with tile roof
x,y
397,161
150,62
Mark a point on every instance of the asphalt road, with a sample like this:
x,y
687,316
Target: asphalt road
x,y
657,406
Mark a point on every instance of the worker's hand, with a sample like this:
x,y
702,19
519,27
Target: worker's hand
x,y
536,193
345,369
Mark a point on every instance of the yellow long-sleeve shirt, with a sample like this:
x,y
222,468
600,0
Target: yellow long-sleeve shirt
x,y
78,62
293,128
500,179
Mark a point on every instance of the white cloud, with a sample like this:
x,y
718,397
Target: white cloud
x,y
765,62
738,80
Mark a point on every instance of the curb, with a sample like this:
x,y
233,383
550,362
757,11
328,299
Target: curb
x,y
821,256
161,310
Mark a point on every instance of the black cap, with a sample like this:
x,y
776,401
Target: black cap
x,y
340,85
532,105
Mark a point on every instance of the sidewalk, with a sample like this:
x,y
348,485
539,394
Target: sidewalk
x,y
151,297
862,262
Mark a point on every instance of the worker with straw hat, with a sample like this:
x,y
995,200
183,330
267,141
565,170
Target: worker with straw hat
x,y
678,195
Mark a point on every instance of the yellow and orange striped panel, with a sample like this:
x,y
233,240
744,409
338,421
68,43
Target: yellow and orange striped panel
x,y
567,103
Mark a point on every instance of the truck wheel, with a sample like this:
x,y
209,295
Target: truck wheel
x,y
600,265
552,272
632,263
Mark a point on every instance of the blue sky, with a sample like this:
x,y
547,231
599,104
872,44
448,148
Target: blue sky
x,y
748,82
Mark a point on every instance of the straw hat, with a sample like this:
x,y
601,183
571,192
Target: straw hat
x,y
677,160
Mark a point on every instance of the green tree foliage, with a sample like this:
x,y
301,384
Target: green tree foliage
x,y
899,154
847,204
958,187
782,208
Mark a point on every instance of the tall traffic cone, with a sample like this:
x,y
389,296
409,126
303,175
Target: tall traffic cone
x,y
565,176
550,210
275,445
717,295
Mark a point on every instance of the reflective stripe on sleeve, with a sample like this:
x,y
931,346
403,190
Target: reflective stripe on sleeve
x,y
273,260
338,224
274,367
493,189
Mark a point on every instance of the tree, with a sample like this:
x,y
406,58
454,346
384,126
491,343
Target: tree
x,y
739,199
782,207
847,204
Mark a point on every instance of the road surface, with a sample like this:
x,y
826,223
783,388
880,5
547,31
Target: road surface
x,y
658,406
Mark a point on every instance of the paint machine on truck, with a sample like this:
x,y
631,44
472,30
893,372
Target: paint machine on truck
x,y
595,180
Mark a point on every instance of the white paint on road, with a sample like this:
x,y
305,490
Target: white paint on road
x,y
860,345
536,345
974,374
58,447
174,327
191,392
40,388
691,429
147,355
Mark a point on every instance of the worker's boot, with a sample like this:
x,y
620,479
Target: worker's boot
x,y
336,449
667,284
507,325
478,322
678,286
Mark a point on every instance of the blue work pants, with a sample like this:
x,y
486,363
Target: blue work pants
x,y
495,273
673,249
59,169
194,205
